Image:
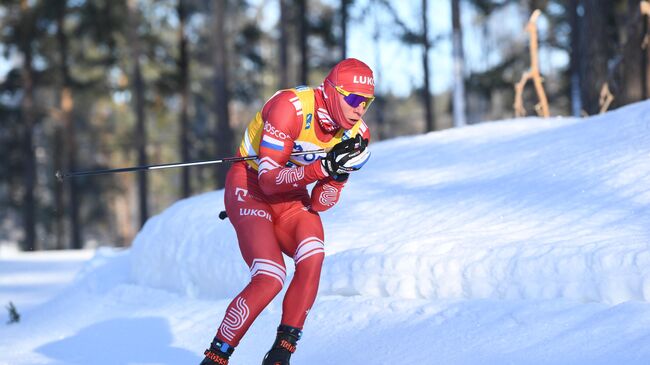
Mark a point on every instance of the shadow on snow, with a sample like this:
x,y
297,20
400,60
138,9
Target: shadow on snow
x,y
119,342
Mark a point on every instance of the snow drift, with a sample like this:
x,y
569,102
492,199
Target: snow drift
x,y
532,209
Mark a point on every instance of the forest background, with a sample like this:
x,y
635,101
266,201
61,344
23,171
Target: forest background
x,y
96,84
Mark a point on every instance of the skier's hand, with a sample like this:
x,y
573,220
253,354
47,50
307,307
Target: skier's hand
x,y
345,157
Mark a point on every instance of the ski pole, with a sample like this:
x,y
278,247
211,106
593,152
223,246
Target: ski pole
x,y
61,176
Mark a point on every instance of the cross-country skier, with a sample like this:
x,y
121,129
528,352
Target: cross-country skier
x,y
271,209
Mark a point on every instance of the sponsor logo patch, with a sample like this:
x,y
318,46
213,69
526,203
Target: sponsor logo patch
x,y
363,80
255,213
241,193
299,146
268,128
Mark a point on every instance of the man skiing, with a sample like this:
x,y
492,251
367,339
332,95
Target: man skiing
x,y
271,210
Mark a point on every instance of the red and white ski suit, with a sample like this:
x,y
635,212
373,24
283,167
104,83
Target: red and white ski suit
x,y
272,211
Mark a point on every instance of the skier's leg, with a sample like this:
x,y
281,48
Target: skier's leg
x,y
262,254
302,236
260,249
308,251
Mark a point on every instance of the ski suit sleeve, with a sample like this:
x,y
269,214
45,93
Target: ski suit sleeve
x,y
282,123
327,192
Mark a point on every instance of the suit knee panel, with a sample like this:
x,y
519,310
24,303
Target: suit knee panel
x,y
309,247
267,270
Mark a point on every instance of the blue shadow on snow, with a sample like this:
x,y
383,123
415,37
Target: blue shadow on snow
x,y
120,341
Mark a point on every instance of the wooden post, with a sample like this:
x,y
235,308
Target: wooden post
x,y
533,73
520,111
606,98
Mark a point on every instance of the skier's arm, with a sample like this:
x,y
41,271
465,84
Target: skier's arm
x,y
282,124
327,192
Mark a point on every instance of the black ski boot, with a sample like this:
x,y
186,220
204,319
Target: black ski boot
x,y
218,353
283,347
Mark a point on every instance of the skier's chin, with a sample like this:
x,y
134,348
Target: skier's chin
x,y
349,123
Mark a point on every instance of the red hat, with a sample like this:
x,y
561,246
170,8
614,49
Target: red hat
x,y
354,76
351,75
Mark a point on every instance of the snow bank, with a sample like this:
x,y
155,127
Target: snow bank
x,y
564,215
188,249
28,279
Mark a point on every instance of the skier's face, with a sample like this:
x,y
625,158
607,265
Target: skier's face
x,y
351,114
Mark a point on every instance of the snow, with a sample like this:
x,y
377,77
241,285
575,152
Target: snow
x,y
515,242
28,280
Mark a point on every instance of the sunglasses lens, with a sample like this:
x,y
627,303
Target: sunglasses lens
x,y
355,100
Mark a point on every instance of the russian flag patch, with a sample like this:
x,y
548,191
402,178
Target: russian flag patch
x,y
272,143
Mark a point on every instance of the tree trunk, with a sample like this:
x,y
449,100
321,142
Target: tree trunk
x,y
594,53
138,94
630,86
59,191
304,34
123,212
426,92
76,236
645,67
66,105
222,97
344,28
574,67
183,73
645,74
283,46
28,122
60,151
379,101
459,66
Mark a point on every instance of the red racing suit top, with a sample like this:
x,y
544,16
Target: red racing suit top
x,y
295,120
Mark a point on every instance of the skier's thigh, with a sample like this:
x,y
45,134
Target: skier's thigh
x,y
301,228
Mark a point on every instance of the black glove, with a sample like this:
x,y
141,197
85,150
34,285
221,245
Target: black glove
x,y
345,157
